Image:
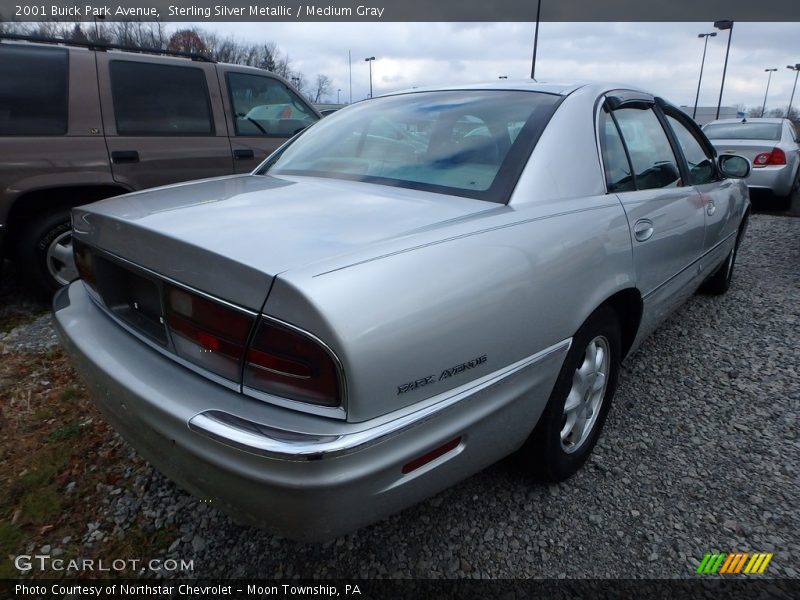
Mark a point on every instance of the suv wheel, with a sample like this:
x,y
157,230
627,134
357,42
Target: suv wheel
x,y
44,253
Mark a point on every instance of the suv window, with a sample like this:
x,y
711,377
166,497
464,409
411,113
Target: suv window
x,y
266,106
615,162
701,163
33,93
152,99
654,162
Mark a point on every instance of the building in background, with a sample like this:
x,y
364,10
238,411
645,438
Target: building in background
x,y
706,114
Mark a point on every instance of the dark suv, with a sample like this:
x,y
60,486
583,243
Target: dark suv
x,y
79,123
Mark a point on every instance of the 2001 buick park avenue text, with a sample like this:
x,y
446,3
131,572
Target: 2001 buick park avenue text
x,y
219,10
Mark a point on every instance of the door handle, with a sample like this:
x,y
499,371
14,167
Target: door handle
x,y
711,208
244,154
642,230
124,156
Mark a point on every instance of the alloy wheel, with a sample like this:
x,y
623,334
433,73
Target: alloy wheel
x,y
586,395
60,262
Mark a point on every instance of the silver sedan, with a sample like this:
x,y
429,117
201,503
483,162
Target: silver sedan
x,y
407,292
771,145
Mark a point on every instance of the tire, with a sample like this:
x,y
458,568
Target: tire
x,y
555,451
720,281
783,203
44,253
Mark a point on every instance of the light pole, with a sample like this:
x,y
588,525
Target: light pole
x,y
339,91
770,71
369,60
536,39
96,29
796,69
702,63
722,26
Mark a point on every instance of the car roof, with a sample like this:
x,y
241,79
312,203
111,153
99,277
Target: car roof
x,y
745,121
562,88
559,87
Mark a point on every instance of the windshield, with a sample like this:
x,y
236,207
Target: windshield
x,y
467,143
743,131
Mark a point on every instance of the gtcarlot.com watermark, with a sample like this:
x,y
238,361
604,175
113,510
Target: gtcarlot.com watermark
x,y
25,563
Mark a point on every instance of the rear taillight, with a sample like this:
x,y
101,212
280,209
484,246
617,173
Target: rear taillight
x,y
84,262
207,333
289,364
775,157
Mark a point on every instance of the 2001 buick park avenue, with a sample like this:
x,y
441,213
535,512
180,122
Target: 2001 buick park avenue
x,y
410,290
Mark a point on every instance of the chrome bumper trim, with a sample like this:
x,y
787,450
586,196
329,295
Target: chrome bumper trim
x,y
282,444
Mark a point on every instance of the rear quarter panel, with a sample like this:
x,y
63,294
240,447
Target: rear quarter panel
x,y
503,287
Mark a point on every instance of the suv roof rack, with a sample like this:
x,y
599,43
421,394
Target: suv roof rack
x,y
102,46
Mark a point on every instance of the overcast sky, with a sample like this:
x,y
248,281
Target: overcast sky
x,y
661,57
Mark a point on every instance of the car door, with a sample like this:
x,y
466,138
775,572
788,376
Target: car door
x,y
716,193
665,216
164,123
262,112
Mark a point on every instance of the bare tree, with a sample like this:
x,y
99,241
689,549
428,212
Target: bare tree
x,y
154,34
268,53
323,87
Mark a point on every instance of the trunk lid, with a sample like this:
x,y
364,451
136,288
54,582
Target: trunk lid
x,y
747,148
230,236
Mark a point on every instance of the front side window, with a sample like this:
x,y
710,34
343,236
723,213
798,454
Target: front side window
x,y
33,90
654,163
151,99
267,107
701,163
467,143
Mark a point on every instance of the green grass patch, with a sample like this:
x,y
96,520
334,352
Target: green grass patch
x,y
40,507
12,540
64,432
69,393
10,537
45,465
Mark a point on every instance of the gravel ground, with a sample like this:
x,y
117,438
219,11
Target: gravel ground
x,y
699,454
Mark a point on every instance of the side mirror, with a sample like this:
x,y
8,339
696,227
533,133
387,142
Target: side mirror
x,y
733,166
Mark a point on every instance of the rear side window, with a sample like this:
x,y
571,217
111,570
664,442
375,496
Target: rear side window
x,y
701,163
653,160
33,91
615,162
152,99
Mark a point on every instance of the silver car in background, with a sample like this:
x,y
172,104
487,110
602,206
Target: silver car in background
x,y
405,293
771,145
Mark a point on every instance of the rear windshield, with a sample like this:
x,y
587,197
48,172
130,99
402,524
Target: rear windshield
x,y
465,143
743,131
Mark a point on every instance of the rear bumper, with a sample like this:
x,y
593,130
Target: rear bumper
x,y
778,180
302,476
